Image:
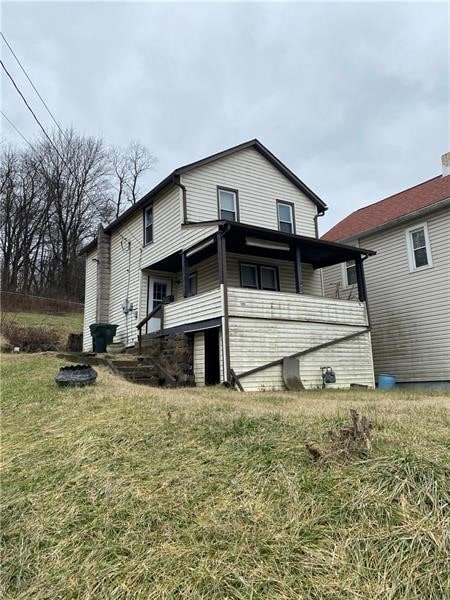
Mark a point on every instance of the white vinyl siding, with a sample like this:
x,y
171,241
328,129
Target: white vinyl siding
x,y
199,358
129,257
410,311
90,299
259,184
196,308
266,326
286,273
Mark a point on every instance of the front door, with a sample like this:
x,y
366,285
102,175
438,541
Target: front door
x,y
158,289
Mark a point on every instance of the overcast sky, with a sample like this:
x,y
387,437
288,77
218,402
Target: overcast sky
x,y
353,97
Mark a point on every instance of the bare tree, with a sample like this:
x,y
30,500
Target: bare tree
x,y
52,197
129,165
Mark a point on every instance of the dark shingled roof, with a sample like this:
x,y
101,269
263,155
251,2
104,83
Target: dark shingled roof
x,y
256,144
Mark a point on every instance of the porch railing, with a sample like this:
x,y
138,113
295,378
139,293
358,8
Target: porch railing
x,y
145,320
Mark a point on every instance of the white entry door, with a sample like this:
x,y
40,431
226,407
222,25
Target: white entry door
x,y
158,289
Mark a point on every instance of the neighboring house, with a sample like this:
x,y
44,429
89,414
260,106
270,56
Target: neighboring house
x,y
408,281
225,253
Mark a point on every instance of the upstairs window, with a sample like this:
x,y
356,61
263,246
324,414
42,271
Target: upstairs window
x,y
148,225
285,217
259,277
350,273
228,204
419,249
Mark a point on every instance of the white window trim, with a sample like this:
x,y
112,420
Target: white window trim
x,y
235,210
291,212
344,278
410,248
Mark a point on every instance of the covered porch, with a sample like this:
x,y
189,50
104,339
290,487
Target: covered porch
x,y
276,314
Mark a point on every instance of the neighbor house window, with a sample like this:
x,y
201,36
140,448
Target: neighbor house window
x,y
228,204
148,225
350,273
192,284
419,249
285,217
259,277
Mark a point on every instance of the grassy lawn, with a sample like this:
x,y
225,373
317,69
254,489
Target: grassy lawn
x,y
66,323
63,324
120,491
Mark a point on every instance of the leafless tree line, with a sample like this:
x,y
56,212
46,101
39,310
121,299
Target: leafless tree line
x,y
52,197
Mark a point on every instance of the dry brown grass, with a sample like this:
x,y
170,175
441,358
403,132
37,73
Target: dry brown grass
x,y
120,491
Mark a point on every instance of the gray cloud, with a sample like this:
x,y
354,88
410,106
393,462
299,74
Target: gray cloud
x,y
352,97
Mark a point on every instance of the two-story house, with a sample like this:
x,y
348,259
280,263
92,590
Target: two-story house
x,y
225,251
408,281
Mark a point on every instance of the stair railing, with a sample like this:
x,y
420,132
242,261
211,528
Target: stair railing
x,y
145,320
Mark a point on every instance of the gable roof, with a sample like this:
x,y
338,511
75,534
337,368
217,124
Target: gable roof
x,y
276,162
173,177
390,209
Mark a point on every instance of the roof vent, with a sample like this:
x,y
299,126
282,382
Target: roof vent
x,y
445,158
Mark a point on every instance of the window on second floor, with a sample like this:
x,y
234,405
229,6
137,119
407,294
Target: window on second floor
x,y
228,204
350,273
259,277
285,217
148,225
419,249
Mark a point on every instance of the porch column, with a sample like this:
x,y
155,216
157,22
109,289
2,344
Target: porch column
x,y
185,274
360,280
298,271
222,259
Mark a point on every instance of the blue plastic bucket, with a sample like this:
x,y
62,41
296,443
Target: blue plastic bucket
x,y
386,381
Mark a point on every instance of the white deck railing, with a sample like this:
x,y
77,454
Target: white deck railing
x,y
295,307
196,308
261,304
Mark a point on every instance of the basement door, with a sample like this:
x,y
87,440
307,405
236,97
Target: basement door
x,y
158,289
212,357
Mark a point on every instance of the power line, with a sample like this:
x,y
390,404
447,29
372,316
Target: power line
x,y
30,109
16,129
49,138
32,84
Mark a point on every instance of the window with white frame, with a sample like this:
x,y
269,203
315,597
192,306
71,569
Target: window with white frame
x,y
349,273
228,204
148,225
259,277
419,249
285,217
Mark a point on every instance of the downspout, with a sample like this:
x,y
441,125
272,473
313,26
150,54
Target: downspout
x,y
320,213
369,322
177,181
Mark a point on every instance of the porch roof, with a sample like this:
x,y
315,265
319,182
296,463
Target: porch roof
x,y
266,243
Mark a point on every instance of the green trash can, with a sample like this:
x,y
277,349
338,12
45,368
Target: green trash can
x,y
102,335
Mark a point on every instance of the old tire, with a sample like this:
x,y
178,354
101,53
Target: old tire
x,y
76,375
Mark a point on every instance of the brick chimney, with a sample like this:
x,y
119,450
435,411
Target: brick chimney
x,y
445,158
103,275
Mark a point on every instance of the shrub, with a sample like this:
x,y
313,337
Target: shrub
x,y
30,339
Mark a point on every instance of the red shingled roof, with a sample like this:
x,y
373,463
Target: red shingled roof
x,y
391,208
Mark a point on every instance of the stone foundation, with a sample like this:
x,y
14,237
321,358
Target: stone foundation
x,y
175,353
